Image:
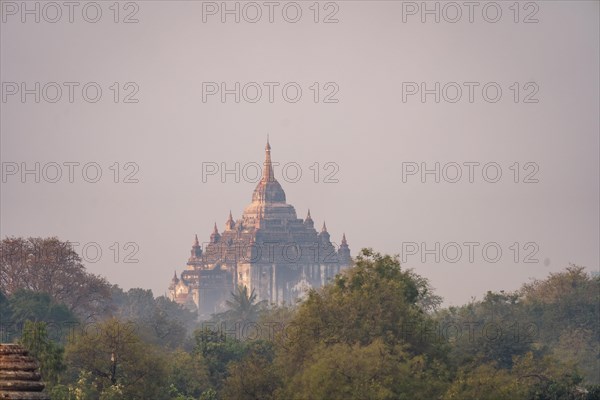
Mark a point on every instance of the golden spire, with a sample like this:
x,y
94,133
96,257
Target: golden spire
x,y
268,174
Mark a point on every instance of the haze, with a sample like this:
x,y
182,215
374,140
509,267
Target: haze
x,y
371,133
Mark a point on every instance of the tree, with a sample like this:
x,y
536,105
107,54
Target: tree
x,y
566,309
118,361
364,336
160,320
492,330
6,324
374,299
243,307
254,376
570,298
49,354
48,265
218,351
552,323
485,382
581,348
24,306
34,306
427,300
188,374
531,378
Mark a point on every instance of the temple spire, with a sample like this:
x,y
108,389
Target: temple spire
x,y
344,253
309,221
230,224
215,236
268,190
174,280
196,251
324,235
268,174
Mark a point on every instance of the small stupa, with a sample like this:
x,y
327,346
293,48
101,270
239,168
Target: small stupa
x,y
19,375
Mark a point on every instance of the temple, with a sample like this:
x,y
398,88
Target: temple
x,y
269,249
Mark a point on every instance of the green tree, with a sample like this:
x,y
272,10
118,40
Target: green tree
x,y
566,309
581,348
557,316
160,320
119,362
6,324
243,308
254,376
218,351
371,315
188,374
49,354
27,305
531,378
493,330
485,382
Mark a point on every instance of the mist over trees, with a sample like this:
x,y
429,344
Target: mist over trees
x,y
377,331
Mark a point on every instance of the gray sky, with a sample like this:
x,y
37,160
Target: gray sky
x,y
375,54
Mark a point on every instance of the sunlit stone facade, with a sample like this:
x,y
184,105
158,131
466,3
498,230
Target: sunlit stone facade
x,y
269,249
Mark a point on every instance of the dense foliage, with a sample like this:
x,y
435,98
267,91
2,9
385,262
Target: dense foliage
x,y
375,332
48,265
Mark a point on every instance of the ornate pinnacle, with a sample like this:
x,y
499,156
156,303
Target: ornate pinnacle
x,y
268,174
230,223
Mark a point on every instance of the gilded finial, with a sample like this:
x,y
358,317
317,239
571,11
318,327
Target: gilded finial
x,y
268,174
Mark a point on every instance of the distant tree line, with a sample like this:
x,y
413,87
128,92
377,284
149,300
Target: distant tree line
x,y
376,331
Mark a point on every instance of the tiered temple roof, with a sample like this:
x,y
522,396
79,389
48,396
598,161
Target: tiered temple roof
x,y
19,376
268,249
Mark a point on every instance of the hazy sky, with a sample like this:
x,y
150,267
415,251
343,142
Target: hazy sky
x,y
372,61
